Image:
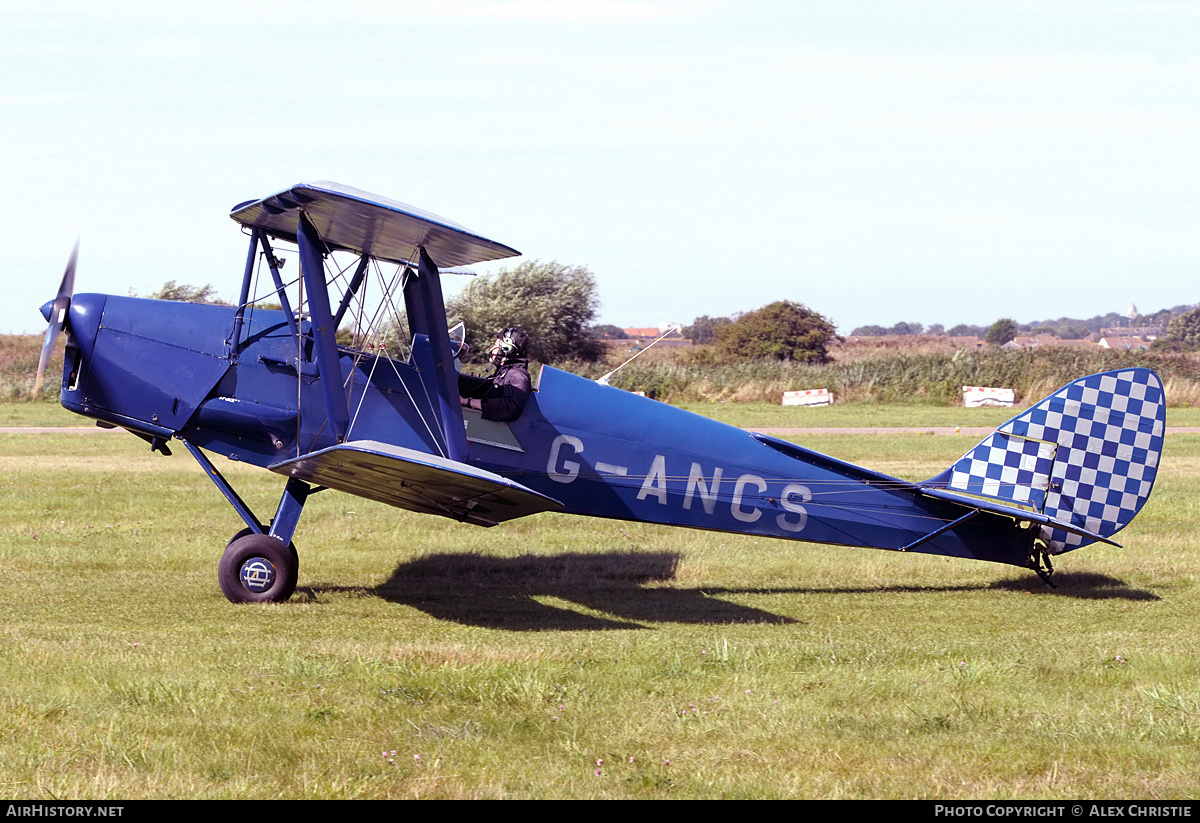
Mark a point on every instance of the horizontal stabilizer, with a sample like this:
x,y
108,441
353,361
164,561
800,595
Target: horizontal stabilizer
x,y
1086,456
417,481
994,507
848,470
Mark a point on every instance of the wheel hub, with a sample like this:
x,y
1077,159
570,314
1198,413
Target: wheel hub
x,y
257,574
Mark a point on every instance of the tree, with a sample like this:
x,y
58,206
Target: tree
x,y
872,330
781,330
964,330
607,331
704,329
1184,330
1159,318
898,329
187,293
552,302
1000,332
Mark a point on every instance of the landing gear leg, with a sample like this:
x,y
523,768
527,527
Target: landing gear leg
x,y
260,564
263,568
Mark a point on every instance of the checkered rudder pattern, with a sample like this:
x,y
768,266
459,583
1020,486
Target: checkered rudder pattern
x,y
1087,455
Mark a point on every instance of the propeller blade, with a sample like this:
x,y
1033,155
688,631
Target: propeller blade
x,y
58,318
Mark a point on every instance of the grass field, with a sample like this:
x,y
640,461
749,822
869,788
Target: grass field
x,y
878,415
566,657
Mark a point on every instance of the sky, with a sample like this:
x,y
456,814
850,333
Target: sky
x,y
933,161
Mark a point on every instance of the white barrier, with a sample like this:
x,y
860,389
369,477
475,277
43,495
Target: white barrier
x,y
976,396
808,397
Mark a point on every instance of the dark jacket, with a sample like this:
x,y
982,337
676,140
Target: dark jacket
x,y
502,396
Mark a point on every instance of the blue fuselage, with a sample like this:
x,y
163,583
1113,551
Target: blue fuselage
x,y
167,369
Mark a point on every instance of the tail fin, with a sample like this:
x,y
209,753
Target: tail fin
x,y
1085,458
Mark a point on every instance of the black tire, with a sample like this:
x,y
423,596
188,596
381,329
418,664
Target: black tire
x,y
258,568
291,547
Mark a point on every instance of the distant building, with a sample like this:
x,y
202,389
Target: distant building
x,y
639,338
1046,341
637,334
1148,333
655,331
1081,343
1031,342
1123,343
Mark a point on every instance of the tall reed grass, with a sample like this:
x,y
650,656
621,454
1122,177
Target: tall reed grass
x,y
889,376
19,355
928,374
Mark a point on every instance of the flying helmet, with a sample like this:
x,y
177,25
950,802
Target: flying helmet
x,y
512,342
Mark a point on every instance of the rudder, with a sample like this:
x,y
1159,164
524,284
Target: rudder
x,y
1087,455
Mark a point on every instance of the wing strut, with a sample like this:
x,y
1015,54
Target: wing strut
x,y
235,339
258,239
351,289
280,292
312,269
427,316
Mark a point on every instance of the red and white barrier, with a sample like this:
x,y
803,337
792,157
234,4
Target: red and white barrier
x,y
808,397
976,396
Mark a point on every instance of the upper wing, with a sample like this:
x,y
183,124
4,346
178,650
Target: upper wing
x,y
348,218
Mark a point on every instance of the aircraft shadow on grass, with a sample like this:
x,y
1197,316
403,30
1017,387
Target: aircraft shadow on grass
x,y
616,590
1080,585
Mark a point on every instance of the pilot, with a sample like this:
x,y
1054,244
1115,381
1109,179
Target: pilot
x,y
502,394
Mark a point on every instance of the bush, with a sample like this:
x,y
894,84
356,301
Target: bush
x,y
779,331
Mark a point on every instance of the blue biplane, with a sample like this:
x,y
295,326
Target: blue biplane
x,y
376,414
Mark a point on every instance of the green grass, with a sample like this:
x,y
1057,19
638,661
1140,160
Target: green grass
x,y
877,415
40,414
509,662
881,415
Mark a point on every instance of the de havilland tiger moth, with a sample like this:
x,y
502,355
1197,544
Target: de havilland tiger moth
x,y
274,384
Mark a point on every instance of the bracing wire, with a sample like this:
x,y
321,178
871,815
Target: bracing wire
x,y
372,337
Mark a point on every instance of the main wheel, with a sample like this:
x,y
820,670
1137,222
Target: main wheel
x,y
258,568
245,532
